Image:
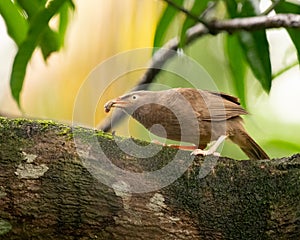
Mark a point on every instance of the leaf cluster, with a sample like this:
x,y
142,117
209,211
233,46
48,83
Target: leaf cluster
x,y
27,23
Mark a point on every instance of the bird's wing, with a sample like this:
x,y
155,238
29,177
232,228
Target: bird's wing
x,y
212,106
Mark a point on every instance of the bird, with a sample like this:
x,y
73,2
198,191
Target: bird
x,y
191,115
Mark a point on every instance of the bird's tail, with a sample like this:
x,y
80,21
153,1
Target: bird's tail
x,y
250,147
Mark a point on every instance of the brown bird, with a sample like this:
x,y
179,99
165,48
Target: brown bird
x,y
190,115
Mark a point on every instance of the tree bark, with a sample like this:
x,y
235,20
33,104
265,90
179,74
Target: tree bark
x,y
47,191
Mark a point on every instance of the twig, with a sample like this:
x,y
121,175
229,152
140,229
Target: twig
x,y
186,12
211,6
199,30
271,7
283,70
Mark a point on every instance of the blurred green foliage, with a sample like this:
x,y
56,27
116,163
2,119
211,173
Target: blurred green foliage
x,y
27,24
243,49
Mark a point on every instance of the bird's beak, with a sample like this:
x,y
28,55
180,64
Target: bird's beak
x,y
114,103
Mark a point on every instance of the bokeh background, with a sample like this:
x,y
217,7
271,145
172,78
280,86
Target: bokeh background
x,y
101,29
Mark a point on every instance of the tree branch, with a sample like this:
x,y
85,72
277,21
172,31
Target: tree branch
x,y
199,30
256,23
55,184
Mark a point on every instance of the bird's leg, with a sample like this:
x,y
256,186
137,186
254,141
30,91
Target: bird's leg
x,y
158,142
212,150
188,148
181,147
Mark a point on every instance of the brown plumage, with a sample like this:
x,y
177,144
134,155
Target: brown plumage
x,y
190,115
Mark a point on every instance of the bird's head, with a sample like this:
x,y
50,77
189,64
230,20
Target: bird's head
x,y
131,101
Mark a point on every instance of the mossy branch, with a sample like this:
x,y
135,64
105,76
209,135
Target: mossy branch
x,y
48,191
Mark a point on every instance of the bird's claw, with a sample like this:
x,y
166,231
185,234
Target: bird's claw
x,y
205,153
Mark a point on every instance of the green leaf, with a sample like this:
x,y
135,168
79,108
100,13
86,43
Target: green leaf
x,y
70,4
31,7
19,68
237,66
231,6
249,8
63,23
256,50
50,42
196,10
38,24
288,7
163,24
295,36
64,20
16,23
254,44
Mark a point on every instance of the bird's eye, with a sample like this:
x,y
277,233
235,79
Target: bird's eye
x,y
134,97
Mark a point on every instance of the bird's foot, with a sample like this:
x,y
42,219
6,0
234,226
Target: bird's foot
x,y
205,152
212,150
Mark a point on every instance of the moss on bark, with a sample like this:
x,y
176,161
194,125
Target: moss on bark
x,y
48,192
